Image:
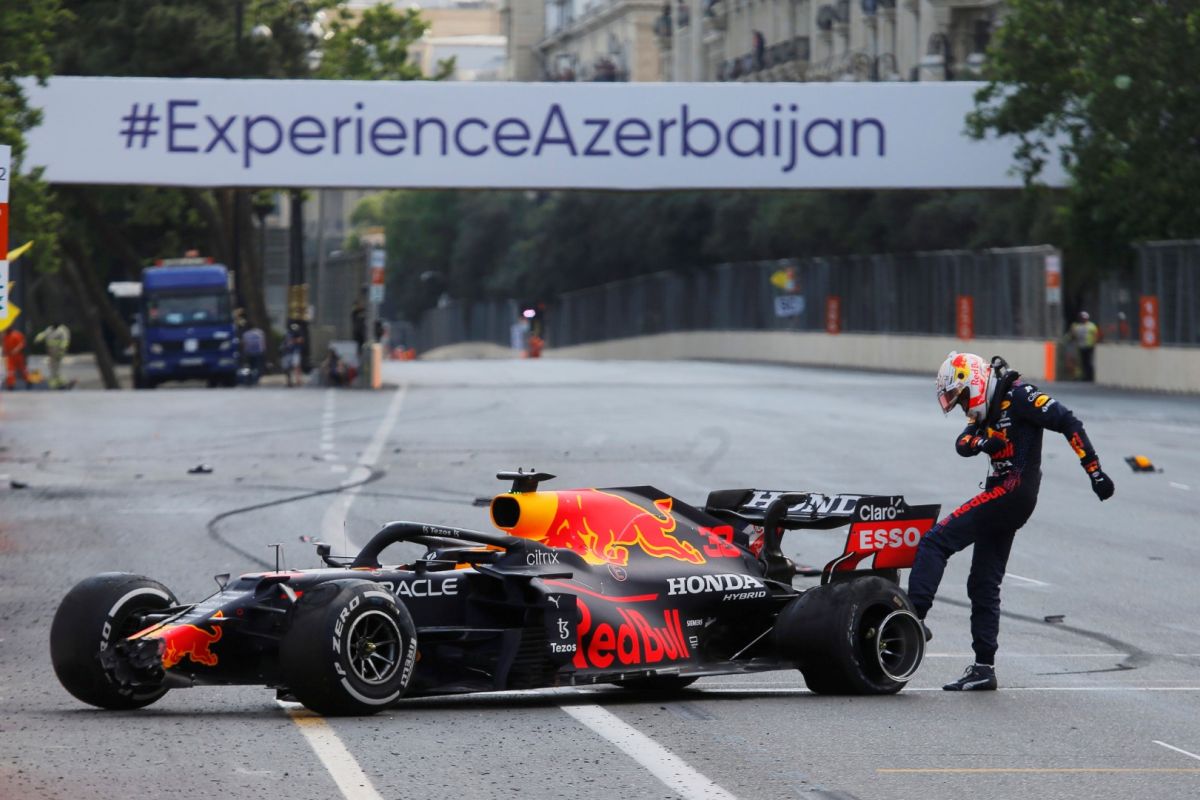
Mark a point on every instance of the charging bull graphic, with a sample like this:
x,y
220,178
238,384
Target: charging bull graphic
x,y
188,641
602,526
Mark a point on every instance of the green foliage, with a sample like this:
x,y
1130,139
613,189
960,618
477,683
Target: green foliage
x,y
26,29
1115,81
373,47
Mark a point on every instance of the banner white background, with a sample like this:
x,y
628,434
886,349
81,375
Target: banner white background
x,y
516,135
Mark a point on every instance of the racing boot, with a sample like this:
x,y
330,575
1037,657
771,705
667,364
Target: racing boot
x,y
976,678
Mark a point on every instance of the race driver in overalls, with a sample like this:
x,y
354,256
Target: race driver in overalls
x,y
1005,419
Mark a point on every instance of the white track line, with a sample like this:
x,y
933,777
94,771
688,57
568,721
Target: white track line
x,y
1176,749
907,689
341,764
1027,580
669,768
1183,486
343,768
333,524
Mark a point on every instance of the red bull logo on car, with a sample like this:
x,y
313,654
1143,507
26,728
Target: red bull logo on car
x,y
603,527
186,641
632,640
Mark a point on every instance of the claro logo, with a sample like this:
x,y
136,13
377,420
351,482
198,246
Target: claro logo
x,y
872,539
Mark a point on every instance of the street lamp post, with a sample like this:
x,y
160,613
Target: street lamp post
x,y
235,261
870,7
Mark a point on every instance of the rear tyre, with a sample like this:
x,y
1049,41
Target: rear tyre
x,y
98,612
856,637
659,684
350,650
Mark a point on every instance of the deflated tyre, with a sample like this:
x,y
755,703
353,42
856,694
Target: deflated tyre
x,y
856,637
350,649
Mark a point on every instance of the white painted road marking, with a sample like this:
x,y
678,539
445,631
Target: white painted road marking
x,y
1183,486
1176,749
767,690
343,768
669,768
334,522
1027,580
341,764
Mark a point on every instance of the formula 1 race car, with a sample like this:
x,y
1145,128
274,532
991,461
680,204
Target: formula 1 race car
x,y
583,586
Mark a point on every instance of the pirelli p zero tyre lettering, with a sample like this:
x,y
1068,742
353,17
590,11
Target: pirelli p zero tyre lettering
x,y
351,649
856,637
96,614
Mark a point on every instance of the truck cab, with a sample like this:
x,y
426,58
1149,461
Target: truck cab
x,y
186,328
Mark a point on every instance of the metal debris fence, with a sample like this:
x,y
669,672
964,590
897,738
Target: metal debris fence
x,y
905,294
1167,271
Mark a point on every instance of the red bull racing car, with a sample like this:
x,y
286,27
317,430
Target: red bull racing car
x,y
583,586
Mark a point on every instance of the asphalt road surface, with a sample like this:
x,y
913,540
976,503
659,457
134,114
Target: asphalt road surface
x,y
1104,704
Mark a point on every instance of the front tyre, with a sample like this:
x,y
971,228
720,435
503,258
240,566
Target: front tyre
x,y
96,614
350,649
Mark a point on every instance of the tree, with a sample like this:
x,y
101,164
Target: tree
x,y
373,46
115,231
26,29
1115,82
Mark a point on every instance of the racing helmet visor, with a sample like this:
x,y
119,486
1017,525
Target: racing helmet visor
x,y
952,396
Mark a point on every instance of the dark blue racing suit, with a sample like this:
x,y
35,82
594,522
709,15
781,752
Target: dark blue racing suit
x,y
990,519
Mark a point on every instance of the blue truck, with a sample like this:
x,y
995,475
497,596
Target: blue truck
x,y
185,326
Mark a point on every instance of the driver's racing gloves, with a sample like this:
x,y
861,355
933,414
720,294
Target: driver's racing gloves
x,y
1102,485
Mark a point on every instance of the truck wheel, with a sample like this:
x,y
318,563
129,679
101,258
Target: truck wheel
x,y
350,649
658,684
855,637
97,612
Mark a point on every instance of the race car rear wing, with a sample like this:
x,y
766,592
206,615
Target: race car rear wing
x,y
884,530
800,510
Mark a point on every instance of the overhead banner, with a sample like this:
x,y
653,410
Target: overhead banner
x,y
193,132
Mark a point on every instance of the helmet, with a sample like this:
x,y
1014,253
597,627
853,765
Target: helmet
x,y
965,380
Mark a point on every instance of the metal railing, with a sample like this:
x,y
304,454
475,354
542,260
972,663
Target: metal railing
x,y
905,294
1167,271
910,294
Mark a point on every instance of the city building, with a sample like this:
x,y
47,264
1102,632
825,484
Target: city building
x,y
750,40
466,30
523,23
600,40
816,40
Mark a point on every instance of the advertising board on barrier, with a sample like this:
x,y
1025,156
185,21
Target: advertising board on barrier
x,y
201,132
5,167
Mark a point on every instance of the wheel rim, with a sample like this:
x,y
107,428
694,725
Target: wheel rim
x,y
899,645
375,644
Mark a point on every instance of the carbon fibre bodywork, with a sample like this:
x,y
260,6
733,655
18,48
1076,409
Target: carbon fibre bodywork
x,y
576,587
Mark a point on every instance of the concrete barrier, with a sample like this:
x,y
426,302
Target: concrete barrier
x,y
1163,369
469,351
889,353
1127,366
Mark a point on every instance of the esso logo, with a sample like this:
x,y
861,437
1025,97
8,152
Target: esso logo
x,y
870,539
